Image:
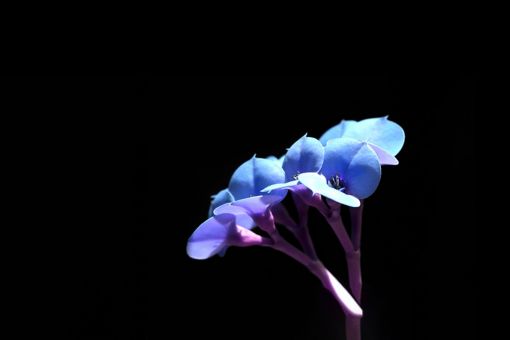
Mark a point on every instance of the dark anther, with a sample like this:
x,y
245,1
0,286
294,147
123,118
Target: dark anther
x,y
336,182
295,176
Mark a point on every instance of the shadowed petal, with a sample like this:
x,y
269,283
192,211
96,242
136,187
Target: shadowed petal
x,y
253,176
355,163
337,131
384,157
318,184
305,155
381,131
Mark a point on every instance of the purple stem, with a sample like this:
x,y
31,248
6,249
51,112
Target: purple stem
x,y
346,301
303,233
356,219
354,258
352,253
335,221
352,328
300,231
282,216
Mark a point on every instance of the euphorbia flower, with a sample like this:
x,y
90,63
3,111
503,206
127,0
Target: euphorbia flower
x,y
246,181
218,232
350,171
253,176
255,208
305,155
225,229
351,167
385,137
344,166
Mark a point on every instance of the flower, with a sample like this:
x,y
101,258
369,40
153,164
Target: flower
x,y
223,229
382,135
218,232
345,170
351,166
254,175
304,156
247,180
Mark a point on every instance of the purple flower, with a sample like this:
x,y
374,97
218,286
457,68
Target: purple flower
x,y
225,228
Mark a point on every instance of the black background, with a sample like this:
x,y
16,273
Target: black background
x,y
145,153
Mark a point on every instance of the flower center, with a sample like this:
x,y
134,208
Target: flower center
x,y
295,176
336,182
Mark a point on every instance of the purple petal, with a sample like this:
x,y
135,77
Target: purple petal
x,y
211,237
257,205
242,218
253,206
217,233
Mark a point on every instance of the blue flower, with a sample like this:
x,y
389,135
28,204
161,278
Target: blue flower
x,y
248,179
351,167
382,135
304,156
350,171
253,176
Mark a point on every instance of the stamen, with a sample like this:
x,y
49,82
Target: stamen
x,y
336,182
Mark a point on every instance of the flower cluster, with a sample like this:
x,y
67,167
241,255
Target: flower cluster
x,y
343,167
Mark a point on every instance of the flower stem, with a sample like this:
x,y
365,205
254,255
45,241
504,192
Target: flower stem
x,y
354,257
353,327
335,221
346,301
352,253
302,232
356,219
299,230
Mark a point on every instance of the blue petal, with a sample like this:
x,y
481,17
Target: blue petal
x,y
305,155
211,237
355,163
253,176
279,186
384,157
318,184
222,197
337,131
381,131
